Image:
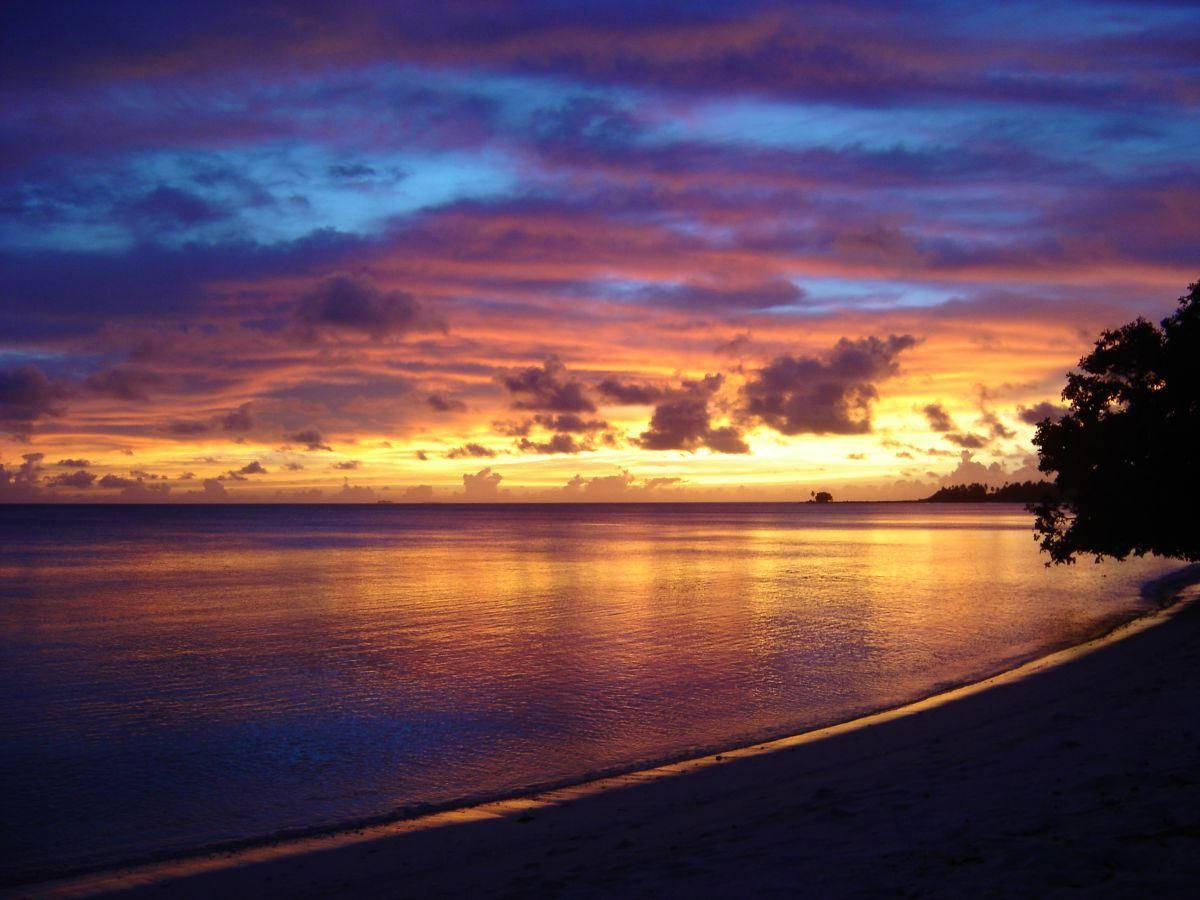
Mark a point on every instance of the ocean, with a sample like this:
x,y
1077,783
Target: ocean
x,y
182,677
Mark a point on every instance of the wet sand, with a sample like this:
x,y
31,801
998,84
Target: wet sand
x,y
1076,774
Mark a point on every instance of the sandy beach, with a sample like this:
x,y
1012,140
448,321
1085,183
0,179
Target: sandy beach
x,y
1078,773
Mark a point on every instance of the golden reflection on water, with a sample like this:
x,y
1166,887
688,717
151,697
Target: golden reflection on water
x,y
299,667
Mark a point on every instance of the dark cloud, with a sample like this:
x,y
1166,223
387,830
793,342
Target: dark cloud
x,y
73,463
21,484
735,346
310,438
514,429
628,393
569,422
135,489
238,420
441,403
210,489
78,479
683,421
707,298
968,440
252,468
123,383
26,395
812,51
339,391
938,418
996,428
797,395
147,278
351,170
726,439
347,464
168,207
187,427
547,387
590,121
663,481
558,443
468,451
1032,415
352,305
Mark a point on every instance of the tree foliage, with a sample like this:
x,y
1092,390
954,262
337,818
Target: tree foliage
x,y
1015,492
1126,453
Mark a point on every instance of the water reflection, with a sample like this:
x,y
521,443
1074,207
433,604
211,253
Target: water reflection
x,y
182,676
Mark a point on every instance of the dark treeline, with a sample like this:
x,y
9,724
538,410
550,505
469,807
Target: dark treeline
x,y
1020,492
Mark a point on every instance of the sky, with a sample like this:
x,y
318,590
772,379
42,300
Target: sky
x,y
573,250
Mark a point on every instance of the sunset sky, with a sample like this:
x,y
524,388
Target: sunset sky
x,y
573,250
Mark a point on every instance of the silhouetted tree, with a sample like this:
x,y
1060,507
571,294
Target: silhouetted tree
x,y
1017,492
823,497
959,493
1127,451
1024,492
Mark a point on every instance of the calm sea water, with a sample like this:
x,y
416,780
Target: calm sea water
x,y
176,677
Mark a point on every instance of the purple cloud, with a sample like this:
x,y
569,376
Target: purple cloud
x,y
937,417
628,393
353,305
27,395
78,479
683,421
968,440
796,395
441,403
569,422
557,443
238,420
124,383
469,451
1033,415
310,438
547,387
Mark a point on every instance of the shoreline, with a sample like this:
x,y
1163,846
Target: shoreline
x,y
281,849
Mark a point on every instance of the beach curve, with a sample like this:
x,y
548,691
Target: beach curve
x,y
733,789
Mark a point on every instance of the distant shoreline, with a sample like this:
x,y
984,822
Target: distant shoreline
x,y
285,849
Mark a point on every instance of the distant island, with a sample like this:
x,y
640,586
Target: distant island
x,y
1019,492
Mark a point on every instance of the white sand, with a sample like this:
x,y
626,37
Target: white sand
x,y
1077,774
